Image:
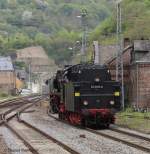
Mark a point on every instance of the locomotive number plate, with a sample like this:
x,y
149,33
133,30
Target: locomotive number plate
x,y
96,86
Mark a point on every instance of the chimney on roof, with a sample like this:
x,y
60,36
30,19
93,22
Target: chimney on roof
x,y
96,52
127,42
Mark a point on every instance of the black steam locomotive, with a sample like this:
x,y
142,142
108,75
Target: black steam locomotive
x,y
85,94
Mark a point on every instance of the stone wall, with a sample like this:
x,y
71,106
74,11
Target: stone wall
x,y
140,81
7,81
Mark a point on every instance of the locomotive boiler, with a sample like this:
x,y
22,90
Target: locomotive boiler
x,y
85,94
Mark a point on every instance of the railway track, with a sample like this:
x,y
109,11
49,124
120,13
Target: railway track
x,y
133,140
17,101
27,144
33,144
37,141
16,110
130,134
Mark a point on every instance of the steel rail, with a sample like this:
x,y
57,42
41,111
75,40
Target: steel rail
x,y
26,143
64,146
10,103
130,134
19,109
17,100
131,144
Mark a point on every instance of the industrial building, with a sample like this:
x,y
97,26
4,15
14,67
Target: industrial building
x,y
136,64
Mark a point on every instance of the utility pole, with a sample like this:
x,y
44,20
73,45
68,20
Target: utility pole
x,y
29,69
119,60
84,36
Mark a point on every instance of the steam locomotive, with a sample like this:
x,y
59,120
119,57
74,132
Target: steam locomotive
x,y
85,94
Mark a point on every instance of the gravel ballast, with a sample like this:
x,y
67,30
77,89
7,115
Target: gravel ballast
x,y
79,139
13,144
3,147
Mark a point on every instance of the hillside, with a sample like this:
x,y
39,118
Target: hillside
x,y
135,19
50,23
54,25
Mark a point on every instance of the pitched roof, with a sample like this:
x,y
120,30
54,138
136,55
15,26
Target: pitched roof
x,y
6,64
32,52
107,52
126,57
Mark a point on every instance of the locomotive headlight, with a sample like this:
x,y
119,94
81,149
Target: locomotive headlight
x,y
85,103
97,79
117,93
112,102
77,94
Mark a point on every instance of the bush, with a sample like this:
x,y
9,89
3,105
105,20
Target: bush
x,y
3,94
128,110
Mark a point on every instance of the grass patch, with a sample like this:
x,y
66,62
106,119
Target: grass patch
x,y
130,113
4,96
134,120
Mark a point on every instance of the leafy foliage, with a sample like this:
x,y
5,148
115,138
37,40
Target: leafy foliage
x,y
136,22
50,23
53,23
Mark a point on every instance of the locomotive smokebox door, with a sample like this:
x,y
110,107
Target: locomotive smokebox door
x,y
69,97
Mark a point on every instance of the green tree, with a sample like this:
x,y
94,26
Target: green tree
x,y
3,4
20,40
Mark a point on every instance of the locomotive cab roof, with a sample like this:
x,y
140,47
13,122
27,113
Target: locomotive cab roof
x,y
81,72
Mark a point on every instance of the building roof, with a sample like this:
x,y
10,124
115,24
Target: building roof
x,y
142,45
107,52
126,57
36,57
6,64
32,52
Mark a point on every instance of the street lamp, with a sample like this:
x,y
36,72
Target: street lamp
x,y
74,48
70,48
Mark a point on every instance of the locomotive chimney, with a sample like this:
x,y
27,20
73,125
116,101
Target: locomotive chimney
x,y
96,53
